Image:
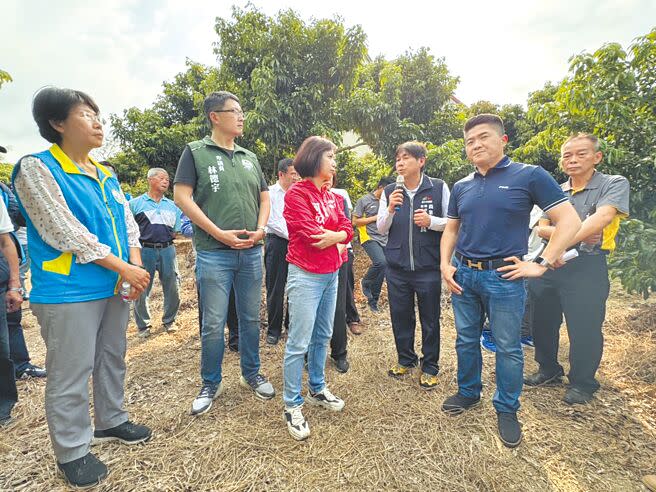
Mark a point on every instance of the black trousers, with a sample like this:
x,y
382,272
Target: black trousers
x,y
275,262
579,291
339,339
402,287
352,315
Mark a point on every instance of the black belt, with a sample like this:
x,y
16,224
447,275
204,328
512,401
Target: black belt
x,y
146,244
490,264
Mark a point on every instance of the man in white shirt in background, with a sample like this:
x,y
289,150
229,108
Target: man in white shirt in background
x,y
275,252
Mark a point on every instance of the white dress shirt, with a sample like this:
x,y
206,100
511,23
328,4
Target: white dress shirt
x,y
384,219
276,224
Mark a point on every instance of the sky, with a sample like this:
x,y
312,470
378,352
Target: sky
x,y
120,51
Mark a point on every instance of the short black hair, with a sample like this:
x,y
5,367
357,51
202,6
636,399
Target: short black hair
x,y
55,104
308,158
215,101
485,119
415,149
384,181
283,165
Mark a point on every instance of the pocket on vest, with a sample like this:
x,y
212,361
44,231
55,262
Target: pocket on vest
x,y
61,265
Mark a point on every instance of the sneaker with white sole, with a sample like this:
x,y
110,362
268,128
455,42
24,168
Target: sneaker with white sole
x,y
170,327
296,424
326,399
260,386
145,333
203,402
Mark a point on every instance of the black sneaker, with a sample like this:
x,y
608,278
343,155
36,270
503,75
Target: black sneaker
x,y
575,396
456,404
84,472
32,371
341,365
542,379
233,348
510,431
272,339
127,433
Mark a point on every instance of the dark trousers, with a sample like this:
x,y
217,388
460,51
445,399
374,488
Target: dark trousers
x,y
339,339
402,286
17,347
352,315
275,262
579,291
373,279
232,321
8,393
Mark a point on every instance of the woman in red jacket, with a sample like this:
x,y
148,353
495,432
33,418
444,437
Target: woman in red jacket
x,y
316,224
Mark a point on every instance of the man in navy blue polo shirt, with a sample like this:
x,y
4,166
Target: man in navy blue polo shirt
x,y
159,222
488,220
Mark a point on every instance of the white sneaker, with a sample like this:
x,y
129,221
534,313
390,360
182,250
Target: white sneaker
x,y
296,423
145,333
326,399
260,386
203,402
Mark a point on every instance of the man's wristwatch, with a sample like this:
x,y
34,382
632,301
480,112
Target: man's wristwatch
x,y
543,262
20,290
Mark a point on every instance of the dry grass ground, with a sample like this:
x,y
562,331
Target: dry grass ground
x,y
391,435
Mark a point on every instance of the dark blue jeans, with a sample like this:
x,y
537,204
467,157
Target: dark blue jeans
x,y
485,291
373,279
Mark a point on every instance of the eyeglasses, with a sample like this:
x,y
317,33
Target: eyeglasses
x,y
92,117
236,112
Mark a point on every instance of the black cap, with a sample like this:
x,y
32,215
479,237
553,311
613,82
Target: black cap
x,y
3,150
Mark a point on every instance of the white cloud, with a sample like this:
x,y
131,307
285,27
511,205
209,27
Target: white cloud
x,y
120,51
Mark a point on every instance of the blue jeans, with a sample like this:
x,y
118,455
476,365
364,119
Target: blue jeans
x,y
484,291
312,298
217,271
162,261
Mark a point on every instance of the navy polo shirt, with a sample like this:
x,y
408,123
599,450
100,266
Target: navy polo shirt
x,y
494,209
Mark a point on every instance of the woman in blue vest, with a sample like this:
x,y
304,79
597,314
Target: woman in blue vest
x,y
84,244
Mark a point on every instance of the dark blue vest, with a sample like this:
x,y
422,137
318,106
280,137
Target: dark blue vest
x,y
410,247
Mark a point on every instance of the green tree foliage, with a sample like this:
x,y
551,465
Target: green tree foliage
x,y
4,78
404,99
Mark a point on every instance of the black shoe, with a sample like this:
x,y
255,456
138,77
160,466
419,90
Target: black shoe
x,y
373,305
127,433
575,396
341,365
32,371
456,404
233,348
272,339
510,431
542,379
84,472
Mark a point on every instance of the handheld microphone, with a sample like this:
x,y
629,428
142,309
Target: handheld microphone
x,y
400,181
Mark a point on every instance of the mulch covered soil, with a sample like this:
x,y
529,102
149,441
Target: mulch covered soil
x,y
390,436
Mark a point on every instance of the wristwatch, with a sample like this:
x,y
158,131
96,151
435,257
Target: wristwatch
x,y
20,290
543,262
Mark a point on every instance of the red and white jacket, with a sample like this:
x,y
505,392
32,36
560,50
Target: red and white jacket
x,y
308,211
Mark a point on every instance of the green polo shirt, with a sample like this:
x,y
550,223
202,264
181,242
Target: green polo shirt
x,y
227,186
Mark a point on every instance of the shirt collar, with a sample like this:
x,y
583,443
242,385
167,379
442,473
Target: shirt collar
x,y
592,184
502,164
208,141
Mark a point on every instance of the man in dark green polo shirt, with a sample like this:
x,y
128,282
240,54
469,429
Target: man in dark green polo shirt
x,y
580,288
220,187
